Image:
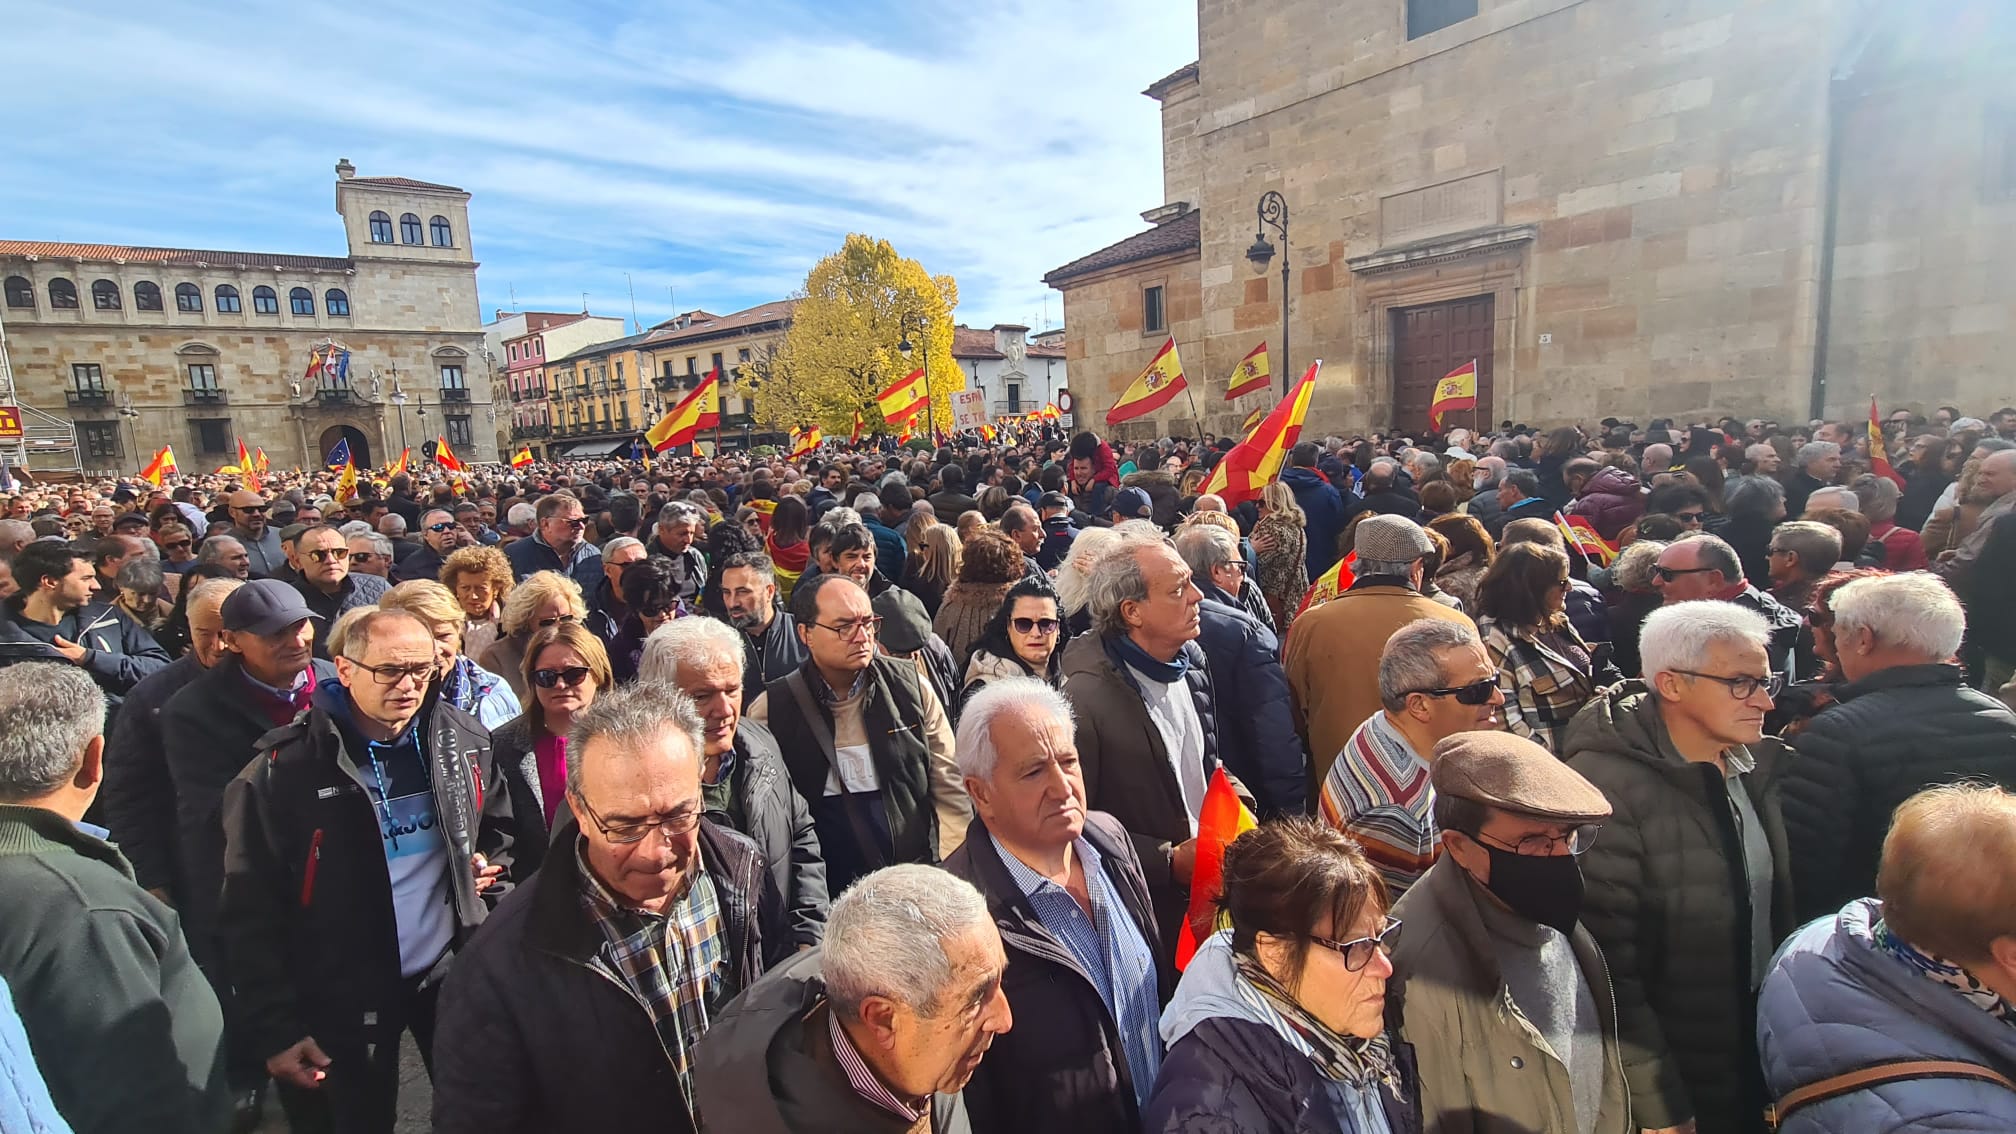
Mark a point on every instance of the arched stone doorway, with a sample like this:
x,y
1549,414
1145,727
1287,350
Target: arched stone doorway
x,y
360,447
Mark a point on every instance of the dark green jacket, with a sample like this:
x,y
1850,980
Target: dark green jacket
x,y
1667,902
124,1027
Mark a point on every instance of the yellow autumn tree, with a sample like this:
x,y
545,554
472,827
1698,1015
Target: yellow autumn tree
x,y
859,305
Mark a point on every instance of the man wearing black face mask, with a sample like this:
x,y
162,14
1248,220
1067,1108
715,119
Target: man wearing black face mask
x,y
1494,923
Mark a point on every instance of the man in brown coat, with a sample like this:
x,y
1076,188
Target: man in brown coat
x,y
1333,650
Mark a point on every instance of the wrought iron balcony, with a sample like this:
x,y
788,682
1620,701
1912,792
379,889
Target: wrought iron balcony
x,y
454,393
204,396
85,397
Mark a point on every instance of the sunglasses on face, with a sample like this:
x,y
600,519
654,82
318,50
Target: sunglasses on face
x,y
1689,517
1044,626
1476,693
253,510
660,611
176,544
555,621
330,554
445,526
1671,573
576,522
551,678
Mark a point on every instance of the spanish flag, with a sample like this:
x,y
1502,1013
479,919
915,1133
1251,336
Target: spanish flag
x,y
1161,381
1879,456
247,470
905,397
700,410
805,442
854,438
909,431
522,457
1221,819
1050,412
1251,375
1257,460
445,457
162,466
1457,390
400,465
259,461
1581,535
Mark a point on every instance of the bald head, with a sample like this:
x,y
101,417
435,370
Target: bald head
x,y
1998,474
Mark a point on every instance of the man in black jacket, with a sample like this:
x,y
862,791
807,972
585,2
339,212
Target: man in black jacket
x,y
1904,720
56,617
743,784
326,581
1090,985
361,851
770,644
124,1029
578,1005
1706,567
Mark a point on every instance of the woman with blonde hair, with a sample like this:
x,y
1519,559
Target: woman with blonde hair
x,y
565,666
480,578
541,600
1280,542
934,565
464,684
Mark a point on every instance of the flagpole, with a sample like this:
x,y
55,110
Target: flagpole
x,y
1196,420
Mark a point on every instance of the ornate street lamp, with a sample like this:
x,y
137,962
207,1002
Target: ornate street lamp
x,y
1273,213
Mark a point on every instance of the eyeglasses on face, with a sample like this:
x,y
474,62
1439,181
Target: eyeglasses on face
x,y
1690,517
1044,626
1743,686
658,610
175,544
1579,839
394,674
1476,693
853,627
329,554
569,676
251,509
1357,953
623,833
575,522
1671,573
443,526
547,623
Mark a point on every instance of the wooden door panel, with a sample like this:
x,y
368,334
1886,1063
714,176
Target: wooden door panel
x,y
1428,342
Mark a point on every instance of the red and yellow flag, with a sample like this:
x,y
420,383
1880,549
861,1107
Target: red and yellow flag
x,y
400,466
1159,382
1050,412
1879,456
1221,819
1581,535
346,484
259,461
905,397
909,431
1251,375
162,466
699,410
445,457
1257,460
1252,422
248,470
1457,390
805,442
854,438
522,457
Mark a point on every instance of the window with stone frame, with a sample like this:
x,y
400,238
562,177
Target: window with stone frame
x,y
20,292
265,301
337,303
62,294
1425,16
1154,314
146,296
442,233
203,378
99,439
87,378
452,379
459,432
301,301
227,299
211,434
105,295
409,228
381,228
188,297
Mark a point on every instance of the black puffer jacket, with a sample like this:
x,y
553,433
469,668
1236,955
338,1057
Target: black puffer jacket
x,y
1664,900
1886,737
1258,741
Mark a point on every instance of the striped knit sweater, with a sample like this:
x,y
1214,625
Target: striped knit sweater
x,y
1378,792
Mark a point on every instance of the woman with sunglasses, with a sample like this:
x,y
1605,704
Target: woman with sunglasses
x,y
543,599
650,589
464,684
1024,639
1278,1025
1545,669
565,666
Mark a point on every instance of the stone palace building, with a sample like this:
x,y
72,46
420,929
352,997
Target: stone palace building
x,y
1629,208
145,347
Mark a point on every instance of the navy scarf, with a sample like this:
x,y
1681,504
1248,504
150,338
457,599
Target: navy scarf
x,y
1125,652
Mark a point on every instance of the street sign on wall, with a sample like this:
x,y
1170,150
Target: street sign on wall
x,y
10,423
969,409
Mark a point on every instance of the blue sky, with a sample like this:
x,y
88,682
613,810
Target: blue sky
x,y
712,150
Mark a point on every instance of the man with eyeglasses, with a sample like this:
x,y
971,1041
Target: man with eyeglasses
x,y
439,535
327,583
867,742
249,527
558,543
580,1004
1695,568
1502,993
678,525
1435,681
361,852
370,554
1689,890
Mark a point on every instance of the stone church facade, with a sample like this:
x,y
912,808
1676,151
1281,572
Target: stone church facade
x,y
1631,208
143,347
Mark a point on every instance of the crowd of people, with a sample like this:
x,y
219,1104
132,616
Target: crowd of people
x,y
1601,781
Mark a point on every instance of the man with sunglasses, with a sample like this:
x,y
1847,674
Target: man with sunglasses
x,y
1704,567
439,535
558,543
1690,889
1502,993
361,852
327,583
249,527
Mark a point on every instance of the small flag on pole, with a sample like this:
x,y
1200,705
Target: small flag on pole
x,y
854,438
1254,462
1251,375
1879,456
1220,819
339,454
699,410
905,397
1160,381
1457,390
446,457
161,467
522,458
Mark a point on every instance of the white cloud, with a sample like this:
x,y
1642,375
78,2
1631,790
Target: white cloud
x,y
718,149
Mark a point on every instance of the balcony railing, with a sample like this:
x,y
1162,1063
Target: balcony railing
x,y
85,397
334,394
204,396
454,393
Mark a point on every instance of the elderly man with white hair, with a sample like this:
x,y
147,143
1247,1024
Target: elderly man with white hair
x,y
1815,465
743,781
879,1029
1067,892
1689,888
1905,718
1927,973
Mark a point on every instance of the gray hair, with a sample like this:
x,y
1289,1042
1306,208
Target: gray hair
x,y
1633,569
427,517
678,513
1421,462
1408,663
1522,479
139,574
1680,635
379,544
392,524
521,514
886,937
1914,611
1715,552
212,589
1755,496
16,531
1879,496
1817,546
1204,547
632,717
867,502
1024,697
1074,575
1365,567
687,641
1116,578
1816,450
620,543
353,528
49,714
1834,496
212,550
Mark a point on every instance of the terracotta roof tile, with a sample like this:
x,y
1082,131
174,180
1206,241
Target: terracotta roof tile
x,y
775,311
400,183
1179,235
181,257
971,342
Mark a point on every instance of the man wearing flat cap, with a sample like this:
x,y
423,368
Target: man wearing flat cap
x,y
1333,656
1502,993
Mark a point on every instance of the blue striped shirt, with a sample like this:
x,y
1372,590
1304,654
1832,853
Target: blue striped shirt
x,y
1111,950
